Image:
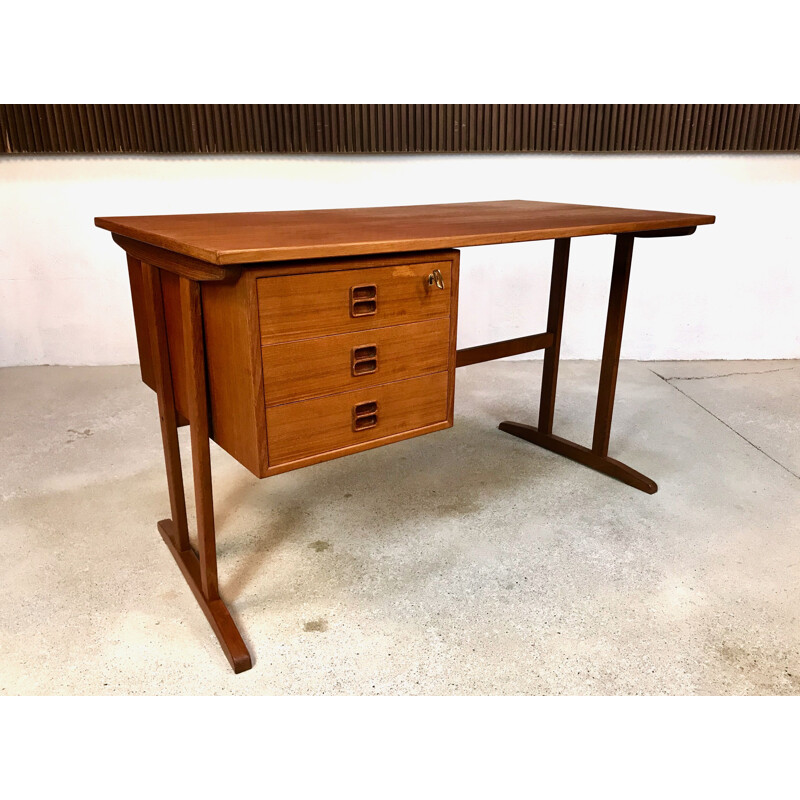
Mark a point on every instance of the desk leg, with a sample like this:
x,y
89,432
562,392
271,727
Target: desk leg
x,y
199,570
596,457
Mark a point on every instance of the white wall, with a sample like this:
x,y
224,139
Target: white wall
x,y
730,291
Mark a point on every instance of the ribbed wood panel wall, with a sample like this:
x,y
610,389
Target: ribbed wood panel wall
x,y
398,128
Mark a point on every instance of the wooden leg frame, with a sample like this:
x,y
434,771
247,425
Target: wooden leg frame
x,y
595,457
199,569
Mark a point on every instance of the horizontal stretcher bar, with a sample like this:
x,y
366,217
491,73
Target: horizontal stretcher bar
x,y
510,347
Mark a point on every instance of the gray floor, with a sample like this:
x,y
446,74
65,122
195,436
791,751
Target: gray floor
x,y
465,562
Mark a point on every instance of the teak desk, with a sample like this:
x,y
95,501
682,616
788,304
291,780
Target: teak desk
x,y
293,337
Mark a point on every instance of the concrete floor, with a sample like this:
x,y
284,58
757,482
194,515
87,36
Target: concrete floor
x,y
465,562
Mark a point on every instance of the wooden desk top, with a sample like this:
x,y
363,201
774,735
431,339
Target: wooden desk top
x,y
243,238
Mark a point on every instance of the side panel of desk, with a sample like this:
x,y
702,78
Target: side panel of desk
x,y
140,322
235,379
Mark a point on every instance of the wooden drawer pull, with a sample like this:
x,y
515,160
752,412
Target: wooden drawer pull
x,y
365,415
364,360
363,300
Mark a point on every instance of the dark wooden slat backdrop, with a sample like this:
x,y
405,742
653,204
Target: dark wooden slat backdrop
x,y
31,129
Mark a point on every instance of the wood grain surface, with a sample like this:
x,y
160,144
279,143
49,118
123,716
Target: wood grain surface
x,y
295,307
241,238
323,426
322,366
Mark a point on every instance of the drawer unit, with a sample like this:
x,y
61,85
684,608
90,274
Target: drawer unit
x,y
304,306
353,420
294,351
331,364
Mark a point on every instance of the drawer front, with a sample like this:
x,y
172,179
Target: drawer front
x,y
316,367
295,307
313,427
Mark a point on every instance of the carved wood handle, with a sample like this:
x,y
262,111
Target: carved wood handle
x,y
364,360
365,415
363,300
